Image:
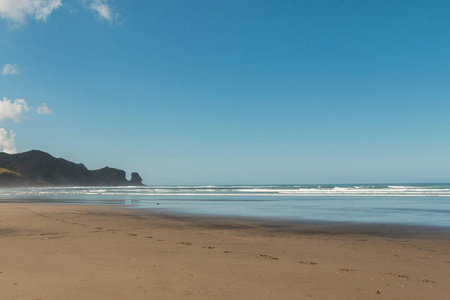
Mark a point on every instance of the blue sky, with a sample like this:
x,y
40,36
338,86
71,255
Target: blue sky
x,y
232,92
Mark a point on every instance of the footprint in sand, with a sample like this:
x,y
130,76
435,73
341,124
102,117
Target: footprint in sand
x,y
52,233
308,262
399,275
267,256
409,277
426,280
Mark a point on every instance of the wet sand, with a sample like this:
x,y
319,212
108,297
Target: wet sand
x,y
98,252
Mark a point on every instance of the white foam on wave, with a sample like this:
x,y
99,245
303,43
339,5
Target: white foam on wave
x,y
97,191
401,187
210,190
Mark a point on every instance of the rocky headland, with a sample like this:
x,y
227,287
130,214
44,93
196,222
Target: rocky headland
x,y
38,168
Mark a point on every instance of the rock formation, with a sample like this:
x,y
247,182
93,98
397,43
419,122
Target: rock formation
x,y
135,179
109,177
37,168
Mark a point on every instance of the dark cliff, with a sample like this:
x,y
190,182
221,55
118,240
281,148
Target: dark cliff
x,y
108,176
34,168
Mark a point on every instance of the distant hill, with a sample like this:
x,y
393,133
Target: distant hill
x,y
37,168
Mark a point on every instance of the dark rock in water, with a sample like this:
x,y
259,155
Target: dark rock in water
x,y
11,178
136,179
38,168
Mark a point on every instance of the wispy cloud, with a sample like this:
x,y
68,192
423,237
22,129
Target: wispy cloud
x,y
44,110
16,12
103,9
9,69
7,141
12,110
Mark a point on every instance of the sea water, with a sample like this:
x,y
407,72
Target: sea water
x,y
406,204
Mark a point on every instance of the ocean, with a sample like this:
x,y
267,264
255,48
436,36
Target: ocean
x,y
401,204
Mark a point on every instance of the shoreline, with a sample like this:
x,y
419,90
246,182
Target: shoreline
x,y
293,226
50,251
422,205
355,227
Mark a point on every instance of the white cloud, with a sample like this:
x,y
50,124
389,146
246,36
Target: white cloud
x,y
12,110
15,111
103,9
44,110
9,69
7,141
16,12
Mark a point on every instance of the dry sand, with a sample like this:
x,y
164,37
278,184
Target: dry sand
x,y
93,252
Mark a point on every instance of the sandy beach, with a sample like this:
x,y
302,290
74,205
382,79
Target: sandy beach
x,y
98,252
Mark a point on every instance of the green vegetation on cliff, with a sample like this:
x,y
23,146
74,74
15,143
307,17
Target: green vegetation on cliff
x,y
10,178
